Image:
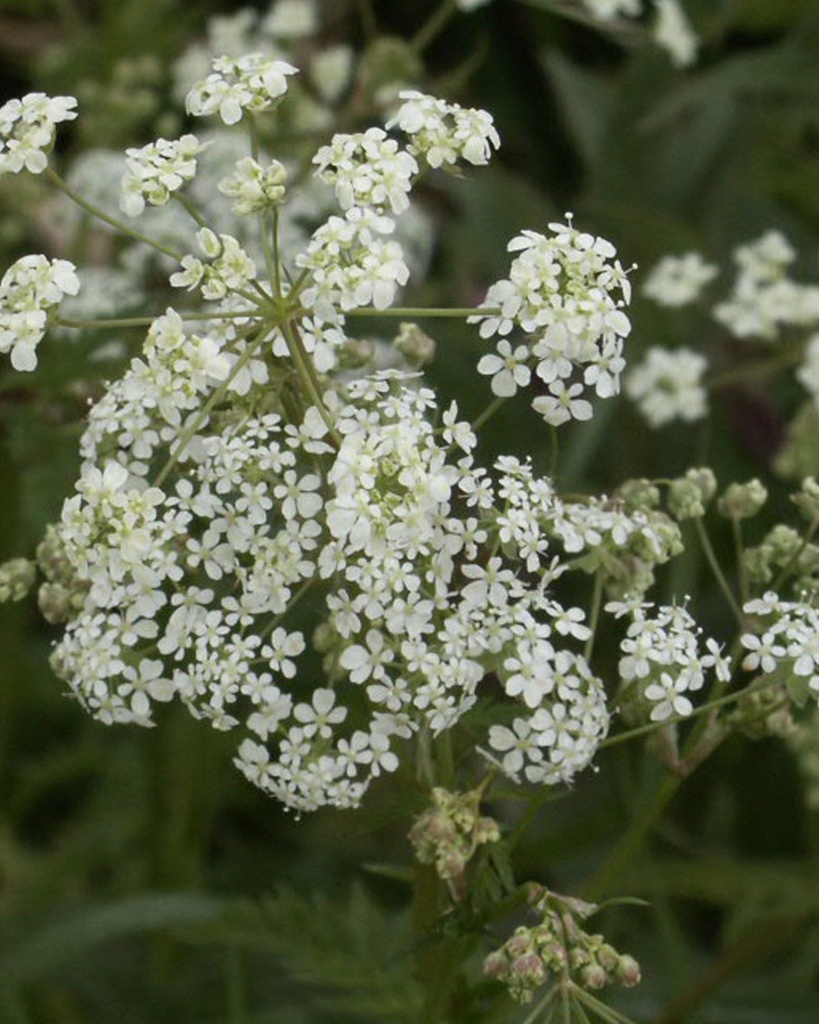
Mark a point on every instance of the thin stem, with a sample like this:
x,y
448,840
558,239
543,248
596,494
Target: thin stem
x,y
114,222
632,839
542,1005
307,374
594,614
606,1013
420,311
716,568
146,321
761,368
436,23
192,212
742,574
368,21
490,410
554,450
712,705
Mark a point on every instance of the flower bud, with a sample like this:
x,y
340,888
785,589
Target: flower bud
x,y
628,971
16,579
414,345
688,495
740,501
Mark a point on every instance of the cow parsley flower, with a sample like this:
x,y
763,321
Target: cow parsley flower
x,y
253,83
661,651
764,298
254,186
157,170
29,290
565,293
442,133
667,385
678,280
27,128
367,169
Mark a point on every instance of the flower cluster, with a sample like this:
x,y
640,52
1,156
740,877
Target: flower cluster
x,y
443,133
786,642
667,385
27,130
29,290
764,298
678,280
368,169
230,471
556,948
662,659
565,292
449,834
155,171
251,83
253,186
352,265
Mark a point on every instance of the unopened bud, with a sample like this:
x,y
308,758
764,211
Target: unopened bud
x,y
16,579
740,501
414,345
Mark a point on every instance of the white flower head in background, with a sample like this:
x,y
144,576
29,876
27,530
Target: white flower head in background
x,y
678,280
667,385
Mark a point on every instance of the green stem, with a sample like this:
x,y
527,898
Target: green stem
x,y
146,321
750,371
716,568
307,375
114,222
605,1013
368,22
490,410
435,25
192,212
420,311
703,709
594,614
742,575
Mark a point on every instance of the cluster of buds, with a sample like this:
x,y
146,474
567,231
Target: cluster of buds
x,y
448,834
558,948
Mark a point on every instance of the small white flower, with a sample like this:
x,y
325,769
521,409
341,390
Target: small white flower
x,y
667,385
508,369
27,129
678,280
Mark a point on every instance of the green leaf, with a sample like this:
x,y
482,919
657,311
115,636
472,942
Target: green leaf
x,y
59,942
587,102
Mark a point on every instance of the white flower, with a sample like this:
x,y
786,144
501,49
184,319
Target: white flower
x,y
667,385
562,293
253,82
673,32
678,280
367,169
508,369
27,130
157,170
291,19
563,404
442,133
253,186
29,290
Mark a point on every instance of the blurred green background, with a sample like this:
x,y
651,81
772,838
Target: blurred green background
x,y
141,879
